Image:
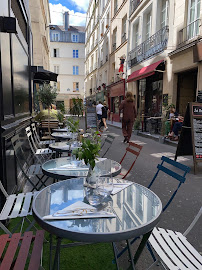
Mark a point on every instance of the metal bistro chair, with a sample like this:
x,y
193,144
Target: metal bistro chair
x,y
37,138
29,170
134,149
180,176
173,250
108,140
16,205
41,154
20,246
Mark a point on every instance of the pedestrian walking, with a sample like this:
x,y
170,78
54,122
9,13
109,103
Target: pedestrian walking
x,y
99,112
104,115
129,114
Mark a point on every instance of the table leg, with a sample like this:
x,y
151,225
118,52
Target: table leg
x,y
50,250
130,254
57,255
141,247
116,259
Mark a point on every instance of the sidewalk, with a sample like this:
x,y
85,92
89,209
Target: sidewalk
x,y
144,134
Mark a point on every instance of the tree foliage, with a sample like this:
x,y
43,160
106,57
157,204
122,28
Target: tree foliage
x,y
47,94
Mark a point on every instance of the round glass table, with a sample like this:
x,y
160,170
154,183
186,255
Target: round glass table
x,y
64,146
64,168
60,130
137,211
63,135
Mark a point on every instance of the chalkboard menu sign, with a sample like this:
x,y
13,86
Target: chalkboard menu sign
x,y
190,142
91,118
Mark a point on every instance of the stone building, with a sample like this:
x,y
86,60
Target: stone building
x,y
67,60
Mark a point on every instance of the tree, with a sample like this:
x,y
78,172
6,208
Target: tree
x,y
77,108
47,95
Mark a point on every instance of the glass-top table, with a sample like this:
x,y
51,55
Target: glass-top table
x,y
137,211
64,135
64,146
60,130
64,168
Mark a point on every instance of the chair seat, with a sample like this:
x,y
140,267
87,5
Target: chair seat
x,y
174,250
10,246
18,205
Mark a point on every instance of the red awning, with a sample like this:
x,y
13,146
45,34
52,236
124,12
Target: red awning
x,y
144,72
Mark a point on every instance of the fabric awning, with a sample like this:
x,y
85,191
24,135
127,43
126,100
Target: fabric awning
x,y
40,74
144,72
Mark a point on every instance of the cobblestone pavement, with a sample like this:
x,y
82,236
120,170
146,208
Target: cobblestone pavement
x,y
188,200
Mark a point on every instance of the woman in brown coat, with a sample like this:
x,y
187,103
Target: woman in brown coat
x,y
129,114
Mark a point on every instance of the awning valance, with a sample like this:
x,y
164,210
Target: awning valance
x,y
144,72
40,74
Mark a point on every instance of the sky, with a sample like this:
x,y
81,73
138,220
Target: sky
x,y
77,10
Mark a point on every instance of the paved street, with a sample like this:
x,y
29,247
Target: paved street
x,y
188,199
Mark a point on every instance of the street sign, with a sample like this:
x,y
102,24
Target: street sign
x,y
91,118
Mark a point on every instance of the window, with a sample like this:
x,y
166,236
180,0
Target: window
x,y
148,25
164,13
55,52
75,86
124,28
75,53
135,40
74,38
56,69
55,37
193,18
75,70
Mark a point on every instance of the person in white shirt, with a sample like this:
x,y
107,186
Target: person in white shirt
x,y
99,111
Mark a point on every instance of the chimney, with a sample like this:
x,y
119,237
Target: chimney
x,y
66,20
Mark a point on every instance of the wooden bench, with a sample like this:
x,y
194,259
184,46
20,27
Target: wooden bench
x,y
53,124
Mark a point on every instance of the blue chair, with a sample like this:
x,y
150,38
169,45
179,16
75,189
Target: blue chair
x,y
167,166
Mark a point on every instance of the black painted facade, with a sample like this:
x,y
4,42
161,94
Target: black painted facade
x,y
15,87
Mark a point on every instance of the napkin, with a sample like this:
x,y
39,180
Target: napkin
x,y
79,210
117,187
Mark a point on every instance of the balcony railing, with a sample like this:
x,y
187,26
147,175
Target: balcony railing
x,y
114,46
133,5
123,38
191,31
153,45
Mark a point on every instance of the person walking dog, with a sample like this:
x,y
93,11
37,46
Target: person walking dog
x,y
129,114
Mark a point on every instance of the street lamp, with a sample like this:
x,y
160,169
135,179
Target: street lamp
x,y
51,27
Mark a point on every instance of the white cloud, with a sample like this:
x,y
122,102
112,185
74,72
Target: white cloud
x,y
81,5
75,18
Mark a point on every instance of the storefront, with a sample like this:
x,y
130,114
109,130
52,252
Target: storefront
x,y
100,96
117,94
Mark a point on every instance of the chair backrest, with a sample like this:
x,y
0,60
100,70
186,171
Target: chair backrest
x,y
35,134
183,169
134,149
109,140
193,222
52,124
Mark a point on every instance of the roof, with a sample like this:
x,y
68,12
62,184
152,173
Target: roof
x,y
71,28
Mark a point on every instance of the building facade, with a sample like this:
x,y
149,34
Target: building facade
x,y
165,38
67,56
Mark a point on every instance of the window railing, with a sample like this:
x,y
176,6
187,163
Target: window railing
x,y
114,46
189,32
152,46
133,5
123,38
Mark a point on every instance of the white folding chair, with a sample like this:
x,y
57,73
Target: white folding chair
x,y
173,250
16,205
41,154
37,138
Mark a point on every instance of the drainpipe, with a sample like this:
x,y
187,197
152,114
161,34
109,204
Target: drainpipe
x,y
98,46
128,47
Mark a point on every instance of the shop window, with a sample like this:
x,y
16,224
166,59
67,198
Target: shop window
x,y
75,53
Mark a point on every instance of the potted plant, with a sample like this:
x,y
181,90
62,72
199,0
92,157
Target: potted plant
x,y
77,108
72,124
89,152
47,95
137,126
